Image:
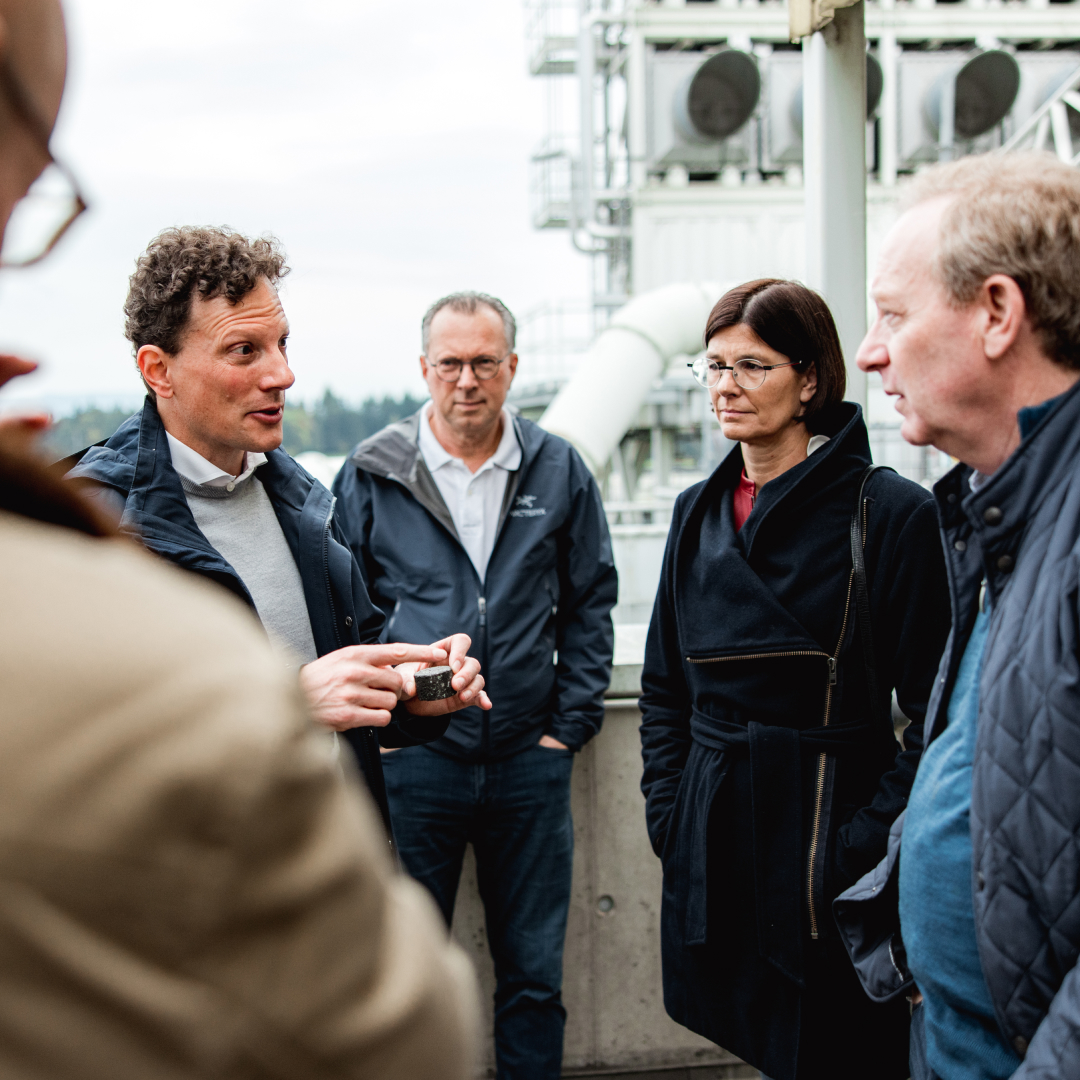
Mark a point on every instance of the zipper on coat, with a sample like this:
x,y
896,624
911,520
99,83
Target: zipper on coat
x,y
485,721
326,572
758,656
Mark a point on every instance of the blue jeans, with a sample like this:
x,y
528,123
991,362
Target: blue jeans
x,y
516,814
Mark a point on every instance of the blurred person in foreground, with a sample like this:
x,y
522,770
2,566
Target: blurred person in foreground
x,y
206,485
977,336
467,516
772,773
188,887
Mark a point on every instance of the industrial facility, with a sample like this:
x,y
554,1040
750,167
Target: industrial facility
x,y
675,156
689,149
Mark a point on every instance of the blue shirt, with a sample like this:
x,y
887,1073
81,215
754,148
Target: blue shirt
x,y
937,919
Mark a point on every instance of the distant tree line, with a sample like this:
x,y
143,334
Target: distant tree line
x,y
331,426
334,427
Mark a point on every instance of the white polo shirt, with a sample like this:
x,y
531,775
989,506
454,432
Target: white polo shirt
x,y
474,499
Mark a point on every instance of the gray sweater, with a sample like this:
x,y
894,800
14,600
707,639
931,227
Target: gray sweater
x,y
242,526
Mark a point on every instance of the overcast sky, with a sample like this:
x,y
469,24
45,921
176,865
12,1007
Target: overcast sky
x,y
386,146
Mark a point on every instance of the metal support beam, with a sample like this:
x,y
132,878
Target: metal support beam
x,y
637,108
586,69
834,142
889,111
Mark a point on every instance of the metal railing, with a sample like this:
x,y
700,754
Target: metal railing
x,y
1052,119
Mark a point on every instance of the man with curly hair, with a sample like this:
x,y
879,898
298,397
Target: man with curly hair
x,y
205,484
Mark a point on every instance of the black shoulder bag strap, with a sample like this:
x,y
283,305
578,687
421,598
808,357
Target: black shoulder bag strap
x,y
862,591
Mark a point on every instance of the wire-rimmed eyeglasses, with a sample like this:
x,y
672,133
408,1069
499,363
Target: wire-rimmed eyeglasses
x,y
748,373
54,201
483,367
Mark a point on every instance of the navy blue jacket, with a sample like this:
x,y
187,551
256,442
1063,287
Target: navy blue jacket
x,y
549,589
1021,531
771,778
136,464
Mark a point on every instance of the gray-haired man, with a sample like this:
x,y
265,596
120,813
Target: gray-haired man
x,y
466,515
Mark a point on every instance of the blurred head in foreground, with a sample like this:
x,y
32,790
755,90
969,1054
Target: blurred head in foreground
x,y
188,887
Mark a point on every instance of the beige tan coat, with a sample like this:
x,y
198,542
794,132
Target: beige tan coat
x,y
188,886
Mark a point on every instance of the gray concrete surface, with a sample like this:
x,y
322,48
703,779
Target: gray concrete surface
x,y
616,1024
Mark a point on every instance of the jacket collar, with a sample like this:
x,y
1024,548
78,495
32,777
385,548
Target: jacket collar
x,y
137,462
764,623
998,512
847,451
394,454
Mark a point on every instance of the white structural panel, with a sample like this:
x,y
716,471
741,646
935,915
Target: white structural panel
x,y
711,233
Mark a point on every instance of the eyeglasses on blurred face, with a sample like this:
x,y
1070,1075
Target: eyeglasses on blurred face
x,y
54,201
483,367
748,373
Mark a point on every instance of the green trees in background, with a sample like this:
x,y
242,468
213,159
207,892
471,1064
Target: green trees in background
x,y
332,426
83,428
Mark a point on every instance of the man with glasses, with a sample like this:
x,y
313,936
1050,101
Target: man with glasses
x,y
466,515
188,886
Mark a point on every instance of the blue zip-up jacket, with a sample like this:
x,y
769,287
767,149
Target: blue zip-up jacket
x,y
541,619
136,464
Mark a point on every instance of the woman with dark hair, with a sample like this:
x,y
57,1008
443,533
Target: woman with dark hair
x,y
772,773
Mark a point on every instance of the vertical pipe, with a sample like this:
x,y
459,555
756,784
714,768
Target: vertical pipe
x,y
888,53
947,120
636,104
586,65
834,156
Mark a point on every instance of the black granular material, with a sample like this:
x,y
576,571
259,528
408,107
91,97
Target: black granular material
x,y
433,683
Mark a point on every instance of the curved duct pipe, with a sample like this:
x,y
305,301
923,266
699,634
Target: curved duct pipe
x,y
599,403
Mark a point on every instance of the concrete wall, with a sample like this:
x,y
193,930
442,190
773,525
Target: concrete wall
x,y
616,1021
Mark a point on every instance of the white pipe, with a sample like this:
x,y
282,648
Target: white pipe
x,y
600,402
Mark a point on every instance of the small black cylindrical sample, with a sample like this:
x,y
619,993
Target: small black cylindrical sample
x,y
433,683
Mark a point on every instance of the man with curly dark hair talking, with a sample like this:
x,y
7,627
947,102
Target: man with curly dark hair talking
x,y
205,484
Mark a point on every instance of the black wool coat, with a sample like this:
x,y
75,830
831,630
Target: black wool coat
x,y
771,780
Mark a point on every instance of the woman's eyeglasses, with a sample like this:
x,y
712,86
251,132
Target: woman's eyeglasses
x,y
749,374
